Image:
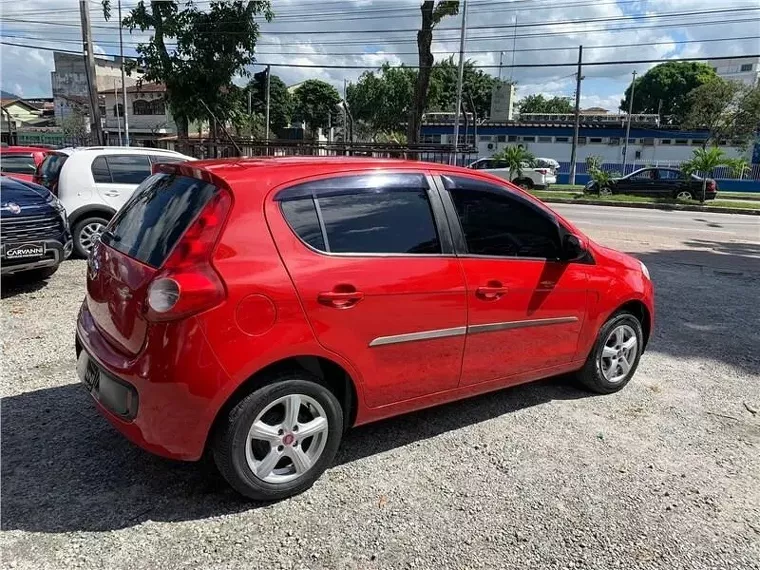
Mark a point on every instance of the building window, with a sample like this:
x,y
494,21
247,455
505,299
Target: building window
x,y
696,142
682,142
665,141
746,67
595,140
484,138
158,107
118,110
581,140
545,139
142,107
638,155
501,138
562,139
512,138
529,139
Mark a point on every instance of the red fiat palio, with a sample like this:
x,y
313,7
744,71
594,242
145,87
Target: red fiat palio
x,y
260,308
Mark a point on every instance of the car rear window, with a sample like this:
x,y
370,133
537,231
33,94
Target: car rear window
x,y
151,223
50,169
17,163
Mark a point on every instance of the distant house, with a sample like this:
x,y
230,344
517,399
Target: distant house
x,y
15,114
147,112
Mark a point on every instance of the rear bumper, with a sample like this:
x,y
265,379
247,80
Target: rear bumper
x,y
175,376
55,253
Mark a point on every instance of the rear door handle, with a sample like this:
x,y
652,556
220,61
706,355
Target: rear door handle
x,y
491,291
340,299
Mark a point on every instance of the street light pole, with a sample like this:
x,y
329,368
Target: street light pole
x,y
124,110
576,127
462,39
628,126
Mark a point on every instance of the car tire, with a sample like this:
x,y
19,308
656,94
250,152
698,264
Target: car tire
x,y
603,373
40,274
525,183
684,195
277,465
605,191
83,233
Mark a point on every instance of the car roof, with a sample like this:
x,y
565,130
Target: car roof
x,y
23,149
118,150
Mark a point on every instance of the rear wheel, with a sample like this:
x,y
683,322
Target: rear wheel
x,y
525,183
684,195
86,233
615,355
278,440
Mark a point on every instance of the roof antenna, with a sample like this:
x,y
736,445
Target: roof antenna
x,y
221,124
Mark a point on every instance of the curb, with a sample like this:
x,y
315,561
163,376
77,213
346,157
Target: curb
x,y
645,206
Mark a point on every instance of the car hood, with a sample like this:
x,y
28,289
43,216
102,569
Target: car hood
x,y
23,194
615,257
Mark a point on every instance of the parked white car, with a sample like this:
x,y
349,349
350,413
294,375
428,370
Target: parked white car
x,y
94,182
529,178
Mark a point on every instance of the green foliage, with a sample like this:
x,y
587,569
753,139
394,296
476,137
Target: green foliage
x,y
738,167
475,83
668,84
214,43
540,104
597,173
316,103
75,127
703,162
280,100
729,110
515,157
382,99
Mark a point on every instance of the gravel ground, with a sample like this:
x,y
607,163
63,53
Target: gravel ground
x,y
665,474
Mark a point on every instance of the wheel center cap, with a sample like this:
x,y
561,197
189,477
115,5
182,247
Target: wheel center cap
x,y
288,439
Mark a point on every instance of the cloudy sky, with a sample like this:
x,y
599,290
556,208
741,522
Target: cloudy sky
x,y
529,33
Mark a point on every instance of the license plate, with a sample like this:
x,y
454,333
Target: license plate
x,y
88,371
24,251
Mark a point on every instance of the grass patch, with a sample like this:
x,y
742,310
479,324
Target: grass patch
x,y
576,187
627,199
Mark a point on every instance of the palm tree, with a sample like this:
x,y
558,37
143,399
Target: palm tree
x,y
704,161
738,167
514,157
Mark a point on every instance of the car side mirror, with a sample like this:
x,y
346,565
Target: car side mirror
x,y
573,248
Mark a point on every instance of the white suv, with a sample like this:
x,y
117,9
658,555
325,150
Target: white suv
x,y
94,182
539,178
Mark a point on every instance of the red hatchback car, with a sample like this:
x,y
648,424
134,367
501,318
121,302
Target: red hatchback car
x,y
21,162
259,308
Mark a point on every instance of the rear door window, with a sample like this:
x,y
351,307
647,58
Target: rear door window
x,y
100,171
17,164
364,215
148,227
128,168
50,169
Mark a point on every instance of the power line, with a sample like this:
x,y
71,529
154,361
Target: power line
x,y
516,66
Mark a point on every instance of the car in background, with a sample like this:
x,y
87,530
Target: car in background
x,y
21,162
94,182
539,178
257,309
33,228
657,182
547,163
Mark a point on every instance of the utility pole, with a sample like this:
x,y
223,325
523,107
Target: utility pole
x,y
116,109
89,70
628,126
269,73
501,63
345,113
124,110
578,79
462,39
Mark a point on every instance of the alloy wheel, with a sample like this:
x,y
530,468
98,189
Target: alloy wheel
x,y
286,439
683,195
618,353
90,234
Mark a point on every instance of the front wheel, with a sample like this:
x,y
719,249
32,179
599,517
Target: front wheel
x,y
86,233
684,195
605,191
277,441
615,356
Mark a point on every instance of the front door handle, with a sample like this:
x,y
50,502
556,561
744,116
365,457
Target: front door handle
x,y
340,299
491,291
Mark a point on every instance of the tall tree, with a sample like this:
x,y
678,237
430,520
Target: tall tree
x,y
729,110
539,104
475,83
209,47
665,88
280,100
382,99
316,103
432,14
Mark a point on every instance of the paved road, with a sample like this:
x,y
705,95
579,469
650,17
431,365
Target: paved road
x,y
724,241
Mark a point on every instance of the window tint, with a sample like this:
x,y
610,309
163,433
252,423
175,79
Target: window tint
x,y
387,222
159,212
100,172
302,216
166,158
666,174
18,163
643,175
128,168
498,223
50,169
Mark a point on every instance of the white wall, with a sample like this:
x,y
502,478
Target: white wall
x,y
732,69
158,124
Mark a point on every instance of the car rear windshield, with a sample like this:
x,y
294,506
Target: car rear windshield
x,y
151,223
50,169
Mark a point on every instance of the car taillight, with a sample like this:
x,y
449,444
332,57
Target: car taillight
x,y
188,283
543,171
711,185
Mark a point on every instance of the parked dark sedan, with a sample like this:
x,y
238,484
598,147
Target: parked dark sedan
x,y
657,182
33,227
